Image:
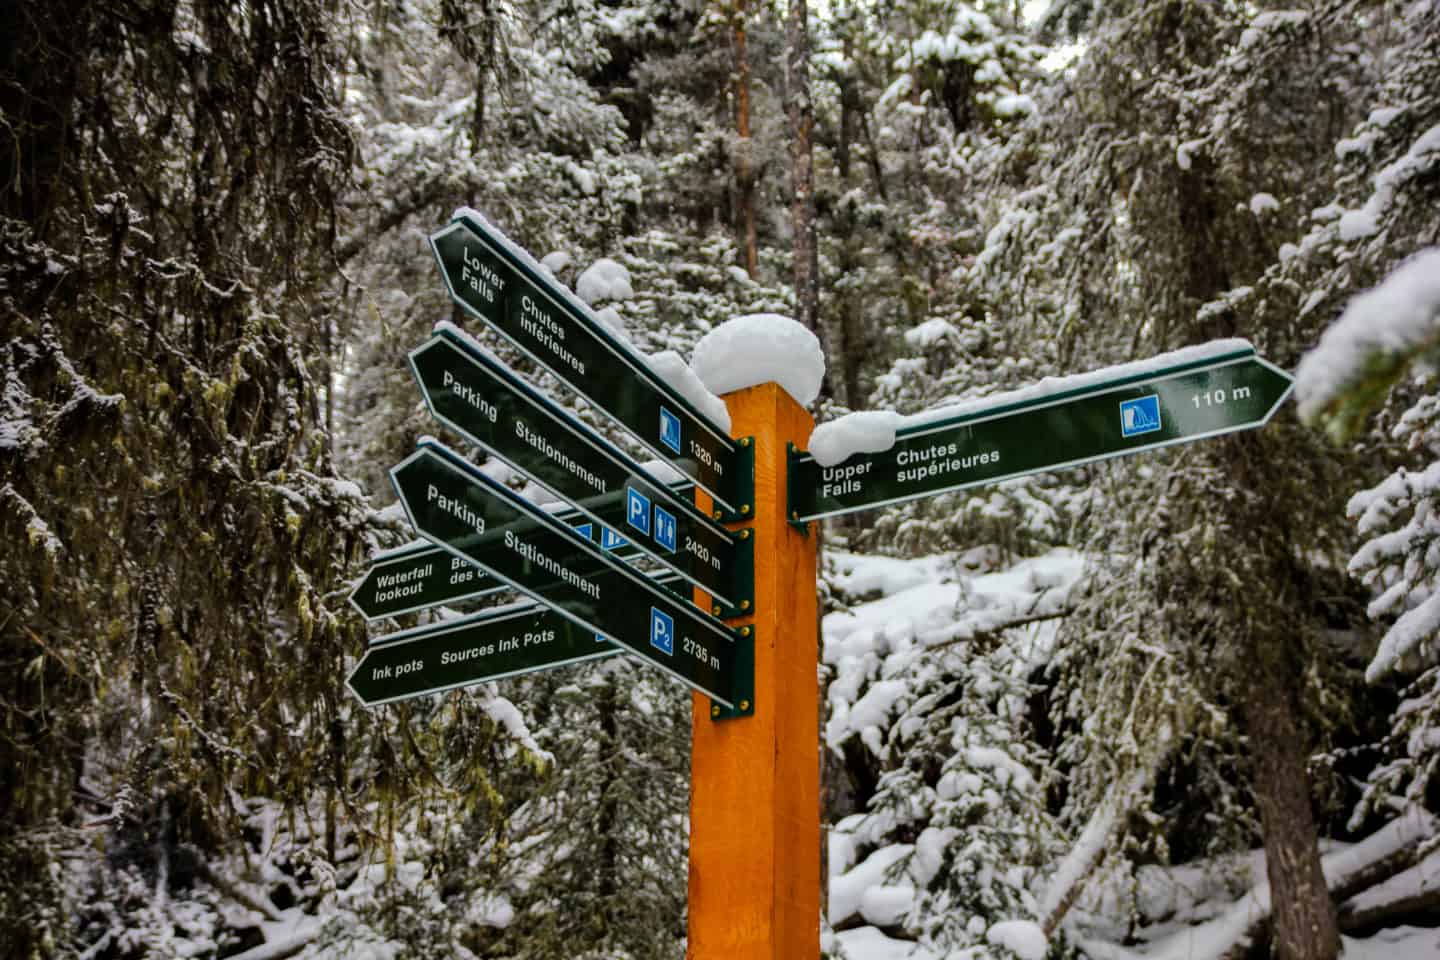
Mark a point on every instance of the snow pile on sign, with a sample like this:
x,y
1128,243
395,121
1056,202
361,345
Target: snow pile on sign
x,y
761,348
673,369
867,431
1397,317
604,280
611,320
1050,386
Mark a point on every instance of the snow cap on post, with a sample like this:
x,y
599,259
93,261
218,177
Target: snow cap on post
x,y
761,348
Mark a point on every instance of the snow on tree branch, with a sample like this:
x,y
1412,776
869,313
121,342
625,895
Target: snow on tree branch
x,y
1375,341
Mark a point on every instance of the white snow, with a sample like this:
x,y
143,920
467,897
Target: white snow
x,y
1269,20
848,889
1410,634
930,852
874,708
1396,943
1022,937
1184,154
1358,224
13,430
507,716
1090,846
1210,940
1399,315
923,608
662,472
583,178
1360,144
604,280
761,348
673,369
1422,158
1263,203
927,333
1384,116
610,318
1014,105
867,943
1420,879
860,574
866,431
555,261
886,904
492,910
1031,587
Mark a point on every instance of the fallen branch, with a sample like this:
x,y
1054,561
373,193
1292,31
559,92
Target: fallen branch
x,y
1073,871
1386,852
235,891
284,947
1408,893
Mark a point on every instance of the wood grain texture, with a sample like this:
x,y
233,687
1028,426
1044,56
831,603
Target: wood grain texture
x,y
755,781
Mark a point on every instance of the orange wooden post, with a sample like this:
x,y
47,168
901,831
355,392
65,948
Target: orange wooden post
x,y
755,781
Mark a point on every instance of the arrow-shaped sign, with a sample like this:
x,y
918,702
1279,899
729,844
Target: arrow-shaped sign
x,y
493,281
474,517
473,394
504,642
1131,414
415,579
421,576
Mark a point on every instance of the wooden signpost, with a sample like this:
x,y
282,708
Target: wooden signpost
x,y
748,643
755,784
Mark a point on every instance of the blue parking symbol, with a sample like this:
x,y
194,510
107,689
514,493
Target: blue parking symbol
x,y
610,540
584,529
662,632
669,429
637,510
665,528
1140,416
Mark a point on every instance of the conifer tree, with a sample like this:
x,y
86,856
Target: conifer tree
x,y
171,182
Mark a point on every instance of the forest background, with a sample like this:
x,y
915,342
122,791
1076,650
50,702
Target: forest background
x,y
213,220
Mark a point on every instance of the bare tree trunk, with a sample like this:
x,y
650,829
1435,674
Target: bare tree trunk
x,y
851,309
1304,915
744,158
801,113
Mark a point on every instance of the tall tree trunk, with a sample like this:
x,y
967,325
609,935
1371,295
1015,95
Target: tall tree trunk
x,y
852,347
744,155
1304,916
801,113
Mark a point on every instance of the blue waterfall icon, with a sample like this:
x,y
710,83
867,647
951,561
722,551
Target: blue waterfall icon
x,y
1140,416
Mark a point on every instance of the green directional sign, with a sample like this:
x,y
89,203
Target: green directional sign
x,y
1144,411
474,517
415,579
487,276
472,393
421,576
505,642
